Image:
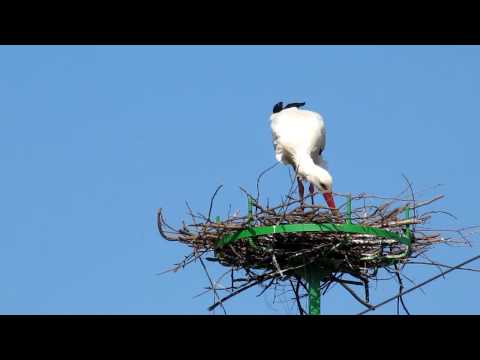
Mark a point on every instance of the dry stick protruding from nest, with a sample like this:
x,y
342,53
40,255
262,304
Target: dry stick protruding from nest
x,y
248,286
214,289
211,201
400,290
355,296
257,198
296,291
443,273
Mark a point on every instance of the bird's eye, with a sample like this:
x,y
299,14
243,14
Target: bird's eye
x,y
323,186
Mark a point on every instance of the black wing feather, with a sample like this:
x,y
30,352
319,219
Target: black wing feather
x,y
294,105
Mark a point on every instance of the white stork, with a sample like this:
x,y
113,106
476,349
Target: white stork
x,y
299,140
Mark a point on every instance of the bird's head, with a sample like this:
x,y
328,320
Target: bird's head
x,y
323,181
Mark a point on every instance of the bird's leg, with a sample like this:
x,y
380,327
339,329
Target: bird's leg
x,y
301,191
311,189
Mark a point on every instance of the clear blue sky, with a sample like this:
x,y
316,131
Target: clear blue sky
x,y
93,139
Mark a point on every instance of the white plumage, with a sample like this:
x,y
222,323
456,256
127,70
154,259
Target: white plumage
x,y
299,138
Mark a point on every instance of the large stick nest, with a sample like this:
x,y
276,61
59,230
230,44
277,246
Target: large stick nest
x,y
284,256
339,252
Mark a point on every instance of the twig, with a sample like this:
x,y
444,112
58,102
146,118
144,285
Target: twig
x,y
212,284
211,202
400,298
260,176
358,298
259,280
296,290
421,284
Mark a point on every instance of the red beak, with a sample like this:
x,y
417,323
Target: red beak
x,y
329,199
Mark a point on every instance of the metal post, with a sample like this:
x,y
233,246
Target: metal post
x,y
313,279
349,209
408,232
250,208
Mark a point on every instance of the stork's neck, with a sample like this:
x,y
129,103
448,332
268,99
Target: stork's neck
x,y
315,174
306,166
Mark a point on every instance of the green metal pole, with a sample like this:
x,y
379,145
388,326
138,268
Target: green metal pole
x,y
349,209
407,216
250,208
313,280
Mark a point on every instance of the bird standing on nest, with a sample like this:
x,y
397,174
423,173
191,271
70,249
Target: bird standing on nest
x,y
299,139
